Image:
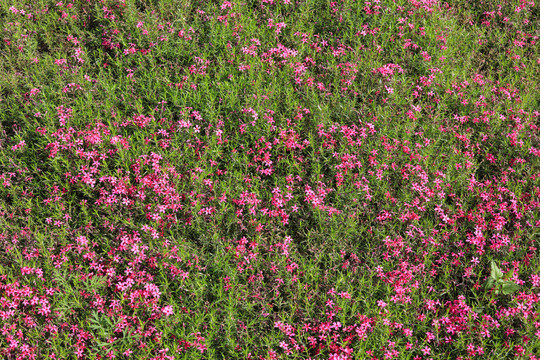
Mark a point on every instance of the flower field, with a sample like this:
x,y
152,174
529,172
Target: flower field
x,y
270,179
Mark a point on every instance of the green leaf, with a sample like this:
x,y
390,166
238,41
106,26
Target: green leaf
x,y
509,275
509,287
496,273
490,282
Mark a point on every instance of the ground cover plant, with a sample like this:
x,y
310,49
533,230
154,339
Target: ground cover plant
x,y
269,179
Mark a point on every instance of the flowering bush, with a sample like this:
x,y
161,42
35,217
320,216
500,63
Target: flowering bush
x,y
272,179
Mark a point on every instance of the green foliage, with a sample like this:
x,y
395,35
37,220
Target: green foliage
x,y
500,282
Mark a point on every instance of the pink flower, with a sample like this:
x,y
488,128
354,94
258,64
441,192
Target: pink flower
x,y
18,146
167,310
